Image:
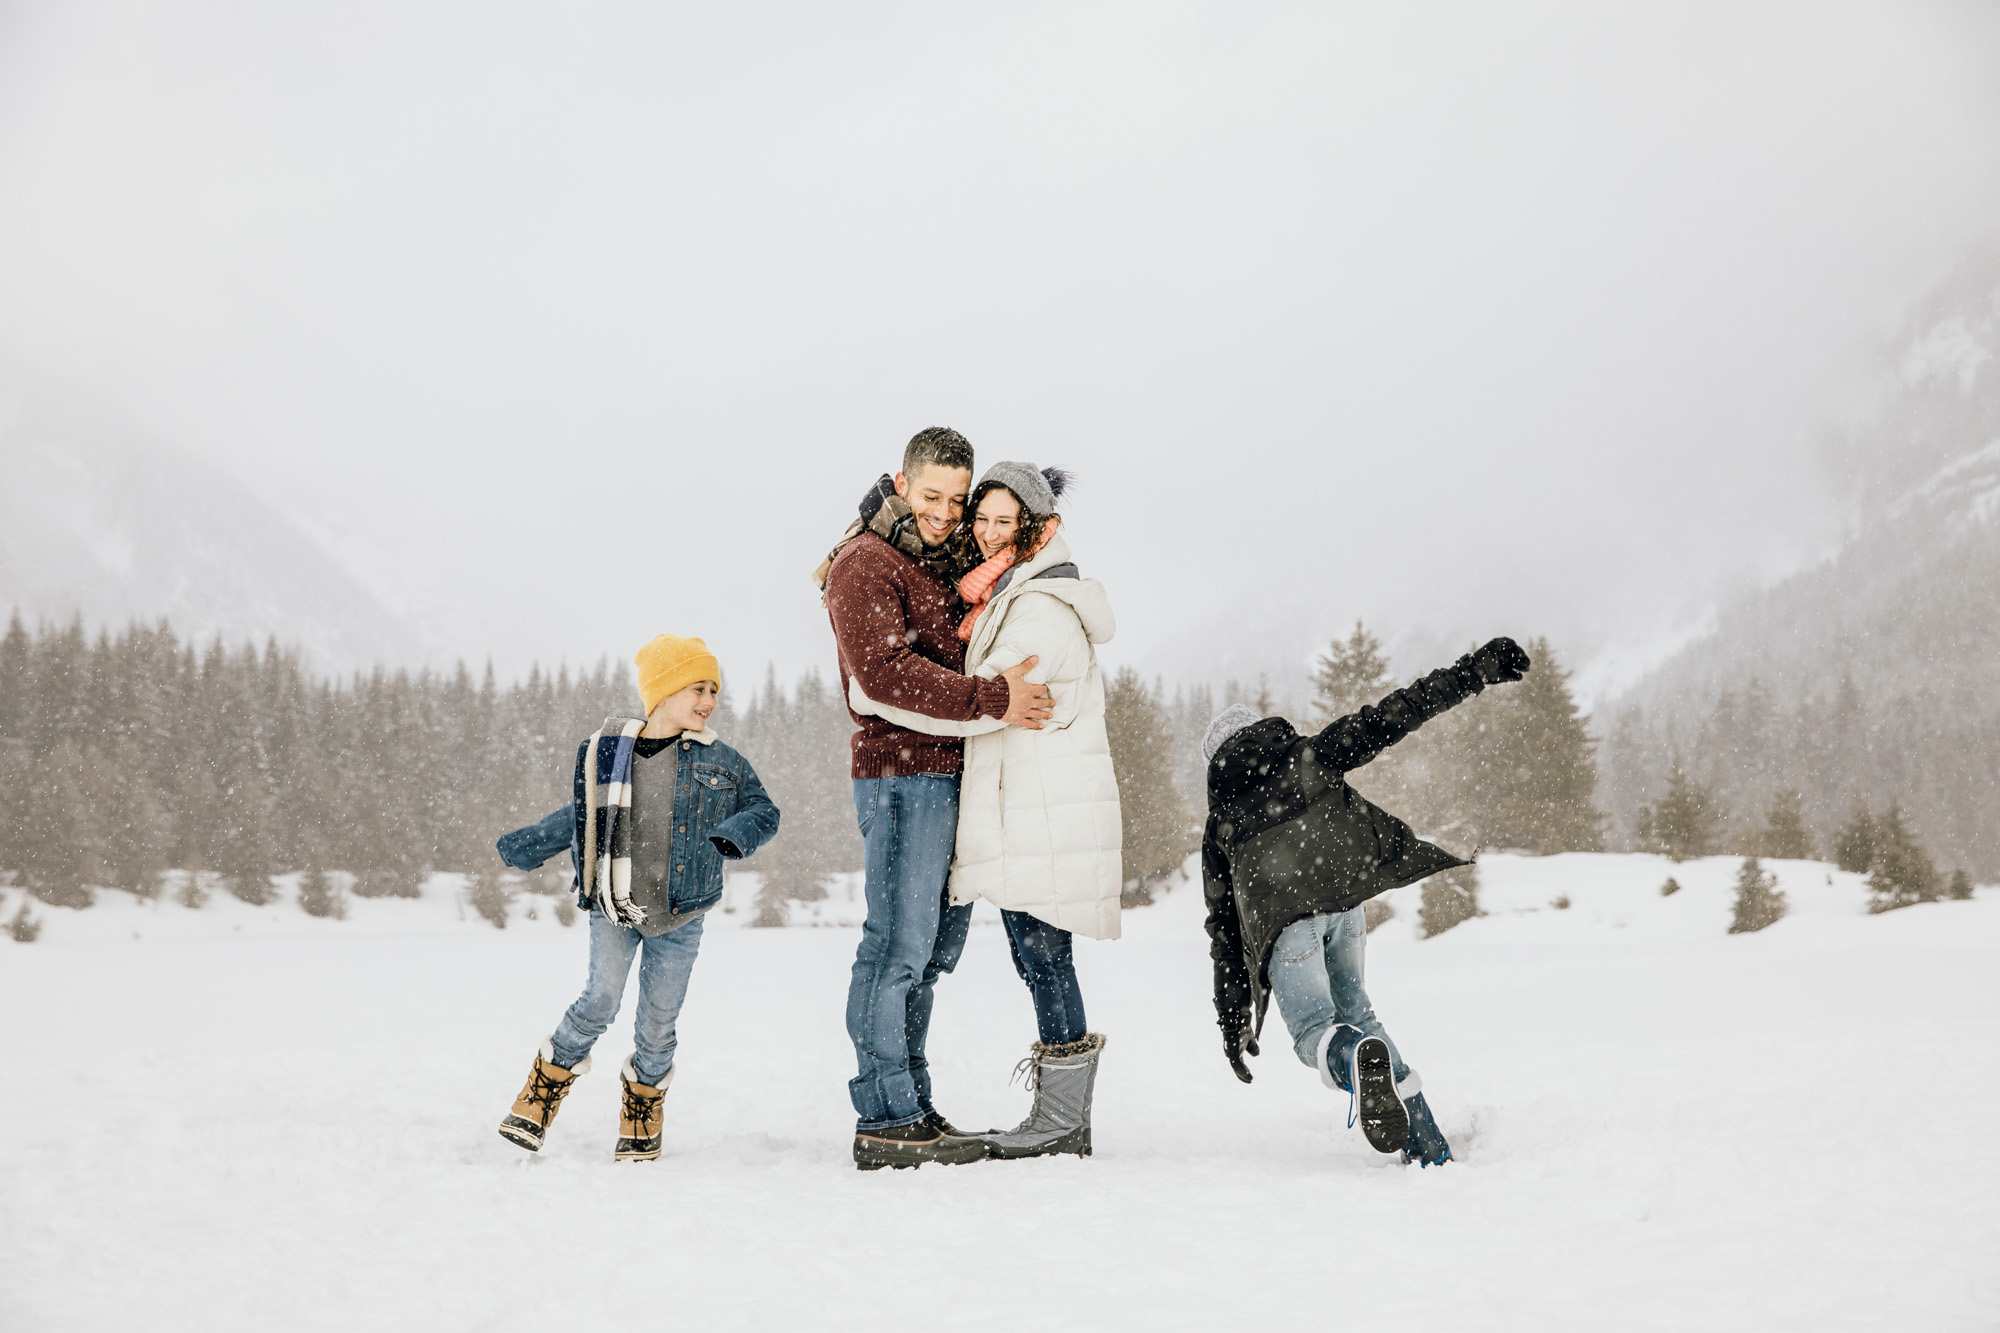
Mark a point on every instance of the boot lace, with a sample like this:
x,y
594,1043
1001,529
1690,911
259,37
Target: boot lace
x,y
546,1093
636,1109
1029,1069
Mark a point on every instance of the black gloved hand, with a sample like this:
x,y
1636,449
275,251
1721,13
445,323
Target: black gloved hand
x,y
729,850
1237,1043
1500,661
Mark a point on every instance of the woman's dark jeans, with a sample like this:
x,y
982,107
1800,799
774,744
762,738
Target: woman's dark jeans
x,y
1042,957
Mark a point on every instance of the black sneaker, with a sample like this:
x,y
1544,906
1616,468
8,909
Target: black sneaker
x,y
931,1139
1384,1120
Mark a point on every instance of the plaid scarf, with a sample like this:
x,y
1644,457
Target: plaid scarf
x,y
889,516
607,820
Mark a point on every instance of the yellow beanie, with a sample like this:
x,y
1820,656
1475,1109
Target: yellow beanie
x,y
668,665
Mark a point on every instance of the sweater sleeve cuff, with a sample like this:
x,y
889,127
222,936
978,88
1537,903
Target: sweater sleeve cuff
x,y
990,700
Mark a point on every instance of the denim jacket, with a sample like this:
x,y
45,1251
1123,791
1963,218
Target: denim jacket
x,y
717,798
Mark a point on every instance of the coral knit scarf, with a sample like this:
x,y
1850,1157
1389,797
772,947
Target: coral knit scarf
x,y
977,587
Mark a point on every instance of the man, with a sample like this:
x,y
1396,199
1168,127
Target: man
x,y
895,614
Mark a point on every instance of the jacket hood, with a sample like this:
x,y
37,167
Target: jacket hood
x,y
1085,596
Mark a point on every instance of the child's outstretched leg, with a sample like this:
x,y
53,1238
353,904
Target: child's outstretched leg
x,y
566,1053
1346,968
1315,972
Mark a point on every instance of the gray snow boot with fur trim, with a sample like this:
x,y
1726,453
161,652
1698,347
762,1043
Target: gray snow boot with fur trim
x,y
1062,1077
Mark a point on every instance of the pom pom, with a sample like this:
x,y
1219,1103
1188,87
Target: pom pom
x,y
1057,479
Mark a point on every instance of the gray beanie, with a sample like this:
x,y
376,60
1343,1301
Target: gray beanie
x,y
1227,723
1036,487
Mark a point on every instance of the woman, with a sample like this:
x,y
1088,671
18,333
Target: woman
x,y
1039,834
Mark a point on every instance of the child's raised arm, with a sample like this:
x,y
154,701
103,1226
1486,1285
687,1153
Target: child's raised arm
x,y
1349,742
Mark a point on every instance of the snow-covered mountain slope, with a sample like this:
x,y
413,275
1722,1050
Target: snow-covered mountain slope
x,y
99,519
1912,601
281,1122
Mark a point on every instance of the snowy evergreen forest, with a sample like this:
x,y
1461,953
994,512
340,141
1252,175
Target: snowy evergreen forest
x,y
124,757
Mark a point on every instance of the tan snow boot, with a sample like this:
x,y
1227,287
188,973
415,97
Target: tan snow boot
x,y
640,1113
541,1096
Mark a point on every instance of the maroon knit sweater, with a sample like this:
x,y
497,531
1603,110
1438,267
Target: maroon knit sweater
x,y
896,625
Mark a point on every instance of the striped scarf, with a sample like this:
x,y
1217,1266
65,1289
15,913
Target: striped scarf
x,y
607,820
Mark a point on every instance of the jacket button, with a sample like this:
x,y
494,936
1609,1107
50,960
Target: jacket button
x,y
684,828
679,869
685,744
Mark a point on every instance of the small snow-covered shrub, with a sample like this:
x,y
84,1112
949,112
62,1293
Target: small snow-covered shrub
x,y
1374,912
254,889
320,896
1449,898
565,912
388,883
489,897
24,928
1758,900
1670,888
193,892
1902,873
1960,888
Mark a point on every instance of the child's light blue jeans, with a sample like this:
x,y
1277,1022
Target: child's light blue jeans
x,y
665,963
1316,970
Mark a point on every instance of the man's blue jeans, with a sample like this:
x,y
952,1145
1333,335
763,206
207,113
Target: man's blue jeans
x,y
666,962
909,826
1045,960
1317,967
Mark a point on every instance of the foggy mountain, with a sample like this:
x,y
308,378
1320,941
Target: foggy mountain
x,y
1911,601
100,519
1869,678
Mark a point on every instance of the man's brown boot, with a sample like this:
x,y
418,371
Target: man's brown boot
x,y
640,1112
548,1083
931,1139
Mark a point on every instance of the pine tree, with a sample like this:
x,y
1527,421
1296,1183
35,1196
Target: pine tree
x,y
1349,675
63,854
1448,899
1158,831
1759,902
1901,873
1528,768
135,830
1785,836
800,749
1960,888
1683,823
1854,846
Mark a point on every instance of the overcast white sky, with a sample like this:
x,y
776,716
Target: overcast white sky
x,y
572,324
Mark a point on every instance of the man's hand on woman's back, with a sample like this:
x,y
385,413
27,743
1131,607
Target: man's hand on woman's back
x,y
1028,704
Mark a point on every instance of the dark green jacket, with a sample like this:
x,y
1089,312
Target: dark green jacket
x,y
1287,838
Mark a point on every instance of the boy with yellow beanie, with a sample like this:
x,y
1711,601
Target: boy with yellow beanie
x,y
658,803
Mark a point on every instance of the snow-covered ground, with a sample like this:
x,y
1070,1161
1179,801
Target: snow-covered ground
x,y
242,1118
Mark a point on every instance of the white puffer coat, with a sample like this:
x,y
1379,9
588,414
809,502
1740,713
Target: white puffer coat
x,y
1038,819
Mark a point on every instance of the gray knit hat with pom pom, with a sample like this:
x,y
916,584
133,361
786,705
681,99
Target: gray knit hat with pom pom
x,y
1036,487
